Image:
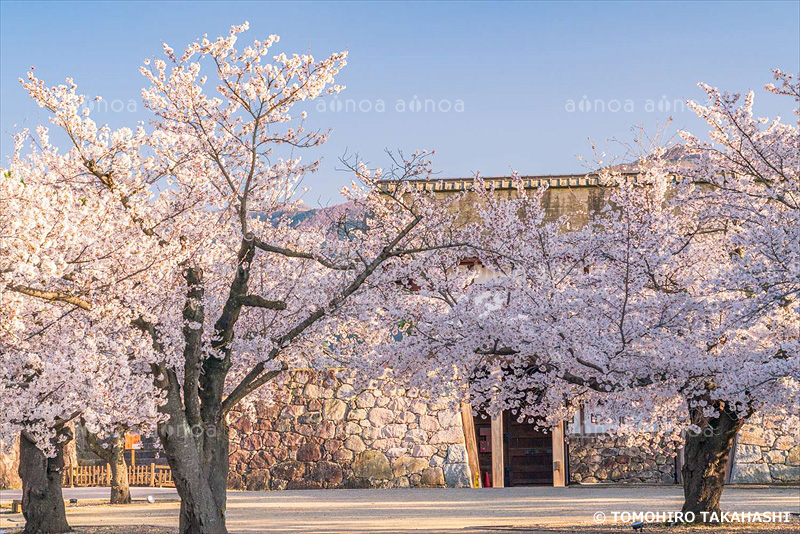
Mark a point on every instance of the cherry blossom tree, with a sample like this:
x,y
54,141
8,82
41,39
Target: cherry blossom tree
x,y
156,251
751,167
148,263
673,311
62,355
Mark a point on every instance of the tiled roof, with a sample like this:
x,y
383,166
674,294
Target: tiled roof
x,y
503,182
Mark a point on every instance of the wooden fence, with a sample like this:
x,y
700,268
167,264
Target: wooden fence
x,y
100,475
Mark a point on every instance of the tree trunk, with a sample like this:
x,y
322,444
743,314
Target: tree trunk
x,y
42,501
217,462
705,457
120,485
114,456
71,450
197,472
195,437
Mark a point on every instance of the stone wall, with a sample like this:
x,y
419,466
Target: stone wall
x,y
598,458
578,203
765,455
9,465
323,433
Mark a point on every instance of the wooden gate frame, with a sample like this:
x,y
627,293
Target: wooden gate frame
x,y
498,461
471,444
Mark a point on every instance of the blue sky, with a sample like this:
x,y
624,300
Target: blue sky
x,y
515,67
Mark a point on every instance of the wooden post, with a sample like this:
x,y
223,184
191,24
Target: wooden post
x,y
559,456
71,475
152,475
108,474
471,443
133,456
498,463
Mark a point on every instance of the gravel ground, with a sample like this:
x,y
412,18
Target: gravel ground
x,y
648,529
416,511
141,529
740,529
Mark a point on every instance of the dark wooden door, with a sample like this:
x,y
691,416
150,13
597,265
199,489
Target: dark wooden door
x,y
528,453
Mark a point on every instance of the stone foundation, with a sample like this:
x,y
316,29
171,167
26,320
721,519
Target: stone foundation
x,y
764,455
322,433
598,458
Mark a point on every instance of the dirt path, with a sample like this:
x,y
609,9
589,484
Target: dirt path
x,y
510,510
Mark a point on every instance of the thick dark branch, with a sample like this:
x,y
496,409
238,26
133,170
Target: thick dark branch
x,y
254,380
107,178
305,255
497,351
62,422
337,301
193,315
156,369
246,384
591,382
97,448
223,328
216,366
417,250
149,329
260,302
581,360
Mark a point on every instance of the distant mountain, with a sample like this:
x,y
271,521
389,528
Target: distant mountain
x,y
675,154
301,213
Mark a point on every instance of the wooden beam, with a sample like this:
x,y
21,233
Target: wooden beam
x,y
471,443
498,462
559,456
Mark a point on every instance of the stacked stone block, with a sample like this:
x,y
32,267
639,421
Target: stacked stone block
x,y
323,433
618,459
764,455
